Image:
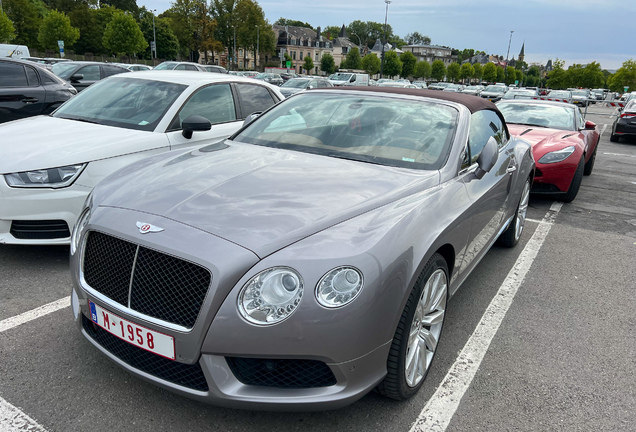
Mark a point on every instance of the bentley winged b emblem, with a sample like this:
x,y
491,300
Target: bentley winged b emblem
x,y
146,228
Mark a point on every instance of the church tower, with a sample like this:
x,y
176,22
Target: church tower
x,y
522,54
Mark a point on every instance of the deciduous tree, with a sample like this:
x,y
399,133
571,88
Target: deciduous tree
x,y
422,69
490,72
309,64
438,70
408,60
353,60
371,64
7,31
392,64
167,42
558,78
466,71
123,35
501,74
417,38
478,71
57,27
285,21
327,63
624,77
452,71
26,19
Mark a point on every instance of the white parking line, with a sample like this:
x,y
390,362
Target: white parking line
x,y
14,420
619,154
603,130
25,317
439,410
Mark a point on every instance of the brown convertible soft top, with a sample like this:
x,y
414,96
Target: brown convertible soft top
x,y
473,103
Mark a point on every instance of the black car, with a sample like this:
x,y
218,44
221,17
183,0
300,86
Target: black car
x,y
271,78
27,89
215,68
83,74
625,124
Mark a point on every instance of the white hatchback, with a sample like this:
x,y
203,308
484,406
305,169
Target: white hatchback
x,y
49,164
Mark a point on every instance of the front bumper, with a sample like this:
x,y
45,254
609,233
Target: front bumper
x,y
39,204
357,367
556,177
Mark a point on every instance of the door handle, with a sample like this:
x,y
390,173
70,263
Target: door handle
x,y
29,100
511,169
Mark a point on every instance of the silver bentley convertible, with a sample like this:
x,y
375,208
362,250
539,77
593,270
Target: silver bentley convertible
x,y
307,259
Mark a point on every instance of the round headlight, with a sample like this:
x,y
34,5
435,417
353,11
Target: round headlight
x,y
339,287
271,296
78,228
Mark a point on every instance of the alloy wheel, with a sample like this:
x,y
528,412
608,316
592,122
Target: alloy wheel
x,y
522,211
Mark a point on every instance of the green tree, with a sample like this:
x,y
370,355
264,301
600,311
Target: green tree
x,y
452,71
285,21
353,60
534,71
478,71
252,26
625,76
520,76
466,71
490,72
408,60
309,64
125,5
371,64
422,70
167,42
392,64
223,11
287,57
558,77
521,65
510,75
501,74
123,35
465,54
26,19
57,27
438,70
331,32
7,31
591,76
327,63
417,38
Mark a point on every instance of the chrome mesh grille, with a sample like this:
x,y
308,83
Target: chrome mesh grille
x,y
163,287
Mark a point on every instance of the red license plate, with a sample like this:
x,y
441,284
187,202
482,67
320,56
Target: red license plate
x,y
142,337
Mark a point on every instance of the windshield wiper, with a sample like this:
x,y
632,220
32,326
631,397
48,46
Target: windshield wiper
x,y
360,159
530,124
80,120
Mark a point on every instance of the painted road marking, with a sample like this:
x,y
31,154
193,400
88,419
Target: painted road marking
x,y
440,409
14,420
603,130
25,317
619,154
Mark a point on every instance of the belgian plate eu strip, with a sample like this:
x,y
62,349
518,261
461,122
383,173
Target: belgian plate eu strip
x,y
441,407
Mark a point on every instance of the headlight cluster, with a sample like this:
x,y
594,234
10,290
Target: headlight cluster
x,y
81,223
557,156
274,294
51,177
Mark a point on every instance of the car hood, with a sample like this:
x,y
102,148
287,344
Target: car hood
x,y
290,91
544,140
260,198
48,142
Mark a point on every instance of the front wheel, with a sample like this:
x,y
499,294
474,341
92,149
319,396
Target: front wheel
x,y
569,196
416,338
510,237
589,165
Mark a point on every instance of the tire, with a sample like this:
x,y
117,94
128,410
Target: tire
x,y
614,138
569,196
589,165
399,383
510,237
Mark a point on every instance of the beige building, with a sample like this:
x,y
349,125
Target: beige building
x,y
341,46
430,53
300,42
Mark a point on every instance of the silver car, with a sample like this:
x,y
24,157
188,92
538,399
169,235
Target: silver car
x,y
307,259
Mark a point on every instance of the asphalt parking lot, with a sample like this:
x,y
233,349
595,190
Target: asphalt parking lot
x,y
563,358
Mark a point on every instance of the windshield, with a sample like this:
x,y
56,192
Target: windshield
x,y
560,94
472,88
341,77
166,66
495,89
262,75
63,70
380,130
551,116
123,102
296,83
520,94
579,93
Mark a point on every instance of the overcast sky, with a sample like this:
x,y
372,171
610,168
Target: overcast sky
x,y
577,31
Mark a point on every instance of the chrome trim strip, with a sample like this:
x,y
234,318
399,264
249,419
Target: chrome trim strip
x,y
132,275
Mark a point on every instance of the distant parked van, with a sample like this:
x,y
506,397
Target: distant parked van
x,y
14,51
349,79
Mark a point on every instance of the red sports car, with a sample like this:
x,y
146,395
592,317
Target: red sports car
x,y
563,143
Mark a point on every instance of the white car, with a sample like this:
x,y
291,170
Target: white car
x,y
49,164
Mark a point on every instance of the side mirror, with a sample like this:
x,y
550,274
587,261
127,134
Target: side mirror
x,y
310,87
250,118
590,125
194,123
76,78
488,158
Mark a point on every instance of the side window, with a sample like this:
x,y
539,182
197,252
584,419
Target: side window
x,y
483,125
581,119
91,73
214,102
47,79
111,70
313,84
180,67
32,76
12,75
254,98
191,68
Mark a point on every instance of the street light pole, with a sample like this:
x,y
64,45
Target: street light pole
x,y
154,34
509,42
386,15
234,55
258,39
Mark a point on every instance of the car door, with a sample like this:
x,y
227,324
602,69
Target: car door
x,y
91,74
253,98
589,137
21,94
490,193
216,102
